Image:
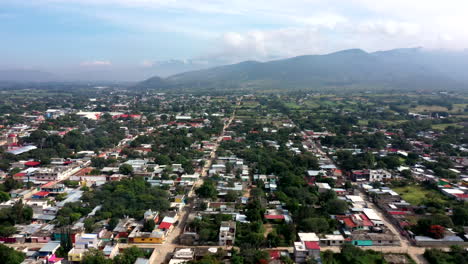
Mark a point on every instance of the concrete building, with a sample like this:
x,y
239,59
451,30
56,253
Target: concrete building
x,y
307,247
227,233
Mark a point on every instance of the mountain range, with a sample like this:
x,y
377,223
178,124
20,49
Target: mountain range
x,y
413,68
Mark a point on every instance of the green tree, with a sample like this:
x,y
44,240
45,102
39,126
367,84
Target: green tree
x,y
10,256
129,255
7,230
148,226
4,196
94,256
207,190
126,169
336,206
315,224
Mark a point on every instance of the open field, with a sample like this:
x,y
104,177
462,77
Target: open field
x,y
444,126
415,194
428,108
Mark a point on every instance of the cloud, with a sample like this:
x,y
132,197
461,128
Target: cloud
x,y
265,29
147,63
96,63
317,39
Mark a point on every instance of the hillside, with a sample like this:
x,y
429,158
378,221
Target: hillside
x,y
396,69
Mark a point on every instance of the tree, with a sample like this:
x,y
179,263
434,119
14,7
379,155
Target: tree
x,y
351,253
148,226
460,215
316,225
10,256
406,174
7,230
129,255
126,169
66,243
436,231
207,190
94,256
231,196
336,206
89,224
113,222
4,197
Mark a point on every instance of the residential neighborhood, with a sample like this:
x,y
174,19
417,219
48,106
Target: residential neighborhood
x,y
231,179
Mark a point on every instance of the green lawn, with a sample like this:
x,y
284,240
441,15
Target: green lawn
x,y
444,126
292,105
416,195
363,122
429,108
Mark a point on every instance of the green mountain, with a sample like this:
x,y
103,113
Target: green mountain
x,y
348,69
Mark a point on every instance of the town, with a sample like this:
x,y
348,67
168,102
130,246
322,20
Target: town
x,y
111,175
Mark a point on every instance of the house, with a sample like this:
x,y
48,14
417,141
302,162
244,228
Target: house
x,y
75,255
55,174
370,175
227,233
323,187
179,198
151,215
87,241
49,249
155,237
332,240
167,223
110,251
307,247
379,175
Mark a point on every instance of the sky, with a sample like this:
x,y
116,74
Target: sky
x,y
64,36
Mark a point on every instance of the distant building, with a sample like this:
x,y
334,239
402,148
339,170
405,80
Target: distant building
x,y
307,247
227,233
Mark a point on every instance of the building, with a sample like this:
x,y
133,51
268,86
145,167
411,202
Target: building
x,y
370,175
49,249
54,174
307,247
155,237
227,233
87,241
323,187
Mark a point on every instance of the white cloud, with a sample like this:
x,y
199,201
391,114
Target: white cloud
x,y
318,39
264,28
96,63
147,63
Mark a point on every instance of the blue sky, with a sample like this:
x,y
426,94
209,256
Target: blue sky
x,y
69,35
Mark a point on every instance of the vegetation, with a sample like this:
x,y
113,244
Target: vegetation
x,y
10,256
455,256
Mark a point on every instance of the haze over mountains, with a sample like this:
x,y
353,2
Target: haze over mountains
x,y
413,68
22,75
109,72
401,69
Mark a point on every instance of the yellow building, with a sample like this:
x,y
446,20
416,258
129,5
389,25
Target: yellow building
x,y
76,254
179,198
155,237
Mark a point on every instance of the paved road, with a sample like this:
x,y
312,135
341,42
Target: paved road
x,y
163,251
416,253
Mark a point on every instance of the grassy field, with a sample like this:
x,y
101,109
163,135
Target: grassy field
x,y
415,194
428,108
458,108
363,122
292,105
444,126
